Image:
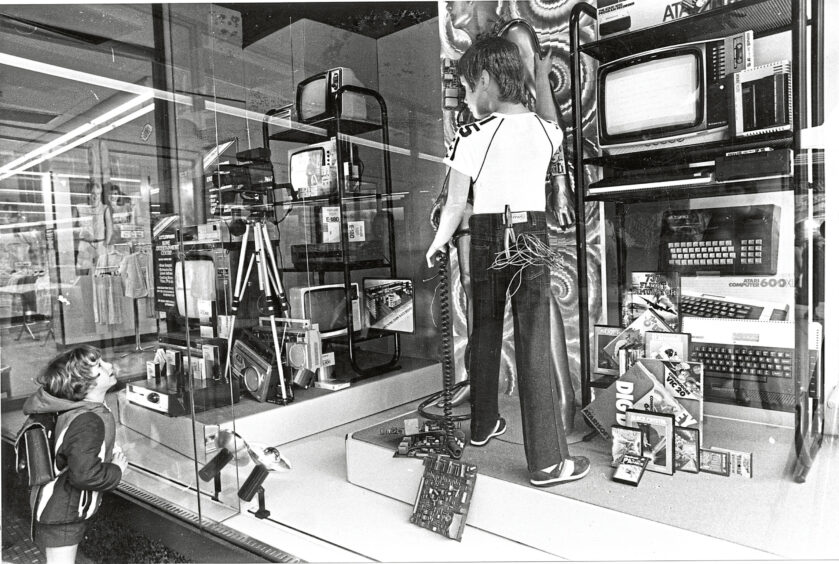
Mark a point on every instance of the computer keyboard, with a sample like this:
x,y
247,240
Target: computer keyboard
x,y
708,305
750,362
733,240
744,363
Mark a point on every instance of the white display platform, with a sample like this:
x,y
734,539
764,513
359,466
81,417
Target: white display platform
x,y
312,411
683,516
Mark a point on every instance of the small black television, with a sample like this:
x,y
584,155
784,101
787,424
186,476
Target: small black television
x,y
316,97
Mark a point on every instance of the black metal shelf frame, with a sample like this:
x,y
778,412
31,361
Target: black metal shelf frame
x,y
764,17
343,128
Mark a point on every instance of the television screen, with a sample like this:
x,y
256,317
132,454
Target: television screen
x,y
198,277
305,169
312,99
327,308
660,93
325,305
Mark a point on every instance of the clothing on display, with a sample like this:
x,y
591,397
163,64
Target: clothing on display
x,y
108,289
487,151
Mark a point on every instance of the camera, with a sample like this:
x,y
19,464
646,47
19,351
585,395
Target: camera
x,y
244,186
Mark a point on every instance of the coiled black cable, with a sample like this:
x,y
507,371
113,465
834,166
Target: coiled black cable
x,y
447,351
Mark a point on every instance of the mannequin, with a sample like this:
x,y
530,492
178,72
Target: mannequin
x,y
95,227
537,77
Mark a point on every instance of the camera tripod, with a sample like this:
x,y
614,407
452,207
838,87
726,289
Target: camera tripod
x,y
270,287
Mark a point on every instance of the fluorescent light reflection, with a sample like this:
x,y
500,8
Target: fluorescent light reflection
x,y
81,140
107,116
288,123
89,78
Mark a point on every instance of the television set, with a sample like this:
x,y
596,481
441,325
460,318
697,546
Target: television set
x,y
316,99
669,97
313,170
325,305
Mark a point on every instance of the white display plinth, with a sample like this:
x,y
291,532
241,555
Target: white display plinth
x,y
689,515
311,412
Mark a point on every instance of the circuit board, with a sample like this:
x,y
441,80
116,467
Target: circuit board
x,y
430,439
444,496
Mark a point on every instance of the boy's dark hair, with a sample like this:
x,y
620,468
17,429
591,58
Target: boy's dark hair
x,y
500,58
70,374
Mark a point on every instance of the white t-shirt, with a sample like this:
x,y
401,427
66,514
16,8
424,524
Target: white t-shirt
x,y
507,157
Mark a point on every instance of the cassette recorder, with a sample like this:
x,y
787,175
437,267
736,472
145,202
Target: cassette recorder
x,y
254,364
303,348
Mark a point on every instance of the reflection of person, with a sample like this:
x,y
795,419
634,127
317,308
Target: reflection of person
x,y
122,212
503,158
95,227
74,385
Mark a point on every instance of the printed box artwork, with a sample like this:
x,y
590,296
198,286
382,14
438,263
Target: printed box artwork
x,y
667,346
639,389
658,443
633,336
687,449
740,463
659,291
625,440
630,469
684,382
604,364
714,462
627,358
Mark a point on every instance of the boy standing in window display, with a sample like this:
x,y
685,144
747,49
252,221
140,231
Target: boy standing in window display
x,y
503,157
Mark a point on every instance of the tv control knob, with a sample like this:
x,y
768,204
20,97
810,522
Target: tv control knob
x,y
153,397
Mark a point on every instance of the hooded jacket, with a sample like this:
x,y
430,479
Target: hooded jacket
x,y
84,443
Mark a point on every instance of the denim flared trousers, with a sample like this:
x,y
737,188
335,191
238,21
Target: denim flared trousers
x,y
544,435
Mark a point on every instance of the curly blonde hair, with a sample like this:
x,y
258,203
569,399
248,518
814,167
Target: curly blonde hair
x,y
70,374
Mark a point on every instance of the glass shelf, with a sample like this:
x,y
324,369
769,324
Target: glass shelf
x,y
764,17
309,134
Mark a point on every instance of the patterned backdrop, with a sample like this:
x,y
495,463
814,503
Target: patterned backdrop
x,y
461,21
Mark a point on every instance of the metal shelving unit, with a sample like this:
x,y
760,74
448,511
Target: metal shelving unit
x,y
765,18
344,129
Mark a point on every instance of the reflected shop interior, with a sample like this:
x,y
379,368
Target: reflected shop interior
x,y
234,201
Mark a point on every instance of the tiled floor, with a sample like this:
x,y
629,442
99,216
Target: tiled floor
x,y
18,548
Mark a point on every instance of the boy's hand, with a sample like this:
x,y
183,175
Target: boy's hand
x,y
431,254
119,459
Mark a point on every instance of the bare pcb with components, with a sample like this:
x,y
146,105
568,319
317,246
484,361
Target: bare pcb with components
x,y
444,496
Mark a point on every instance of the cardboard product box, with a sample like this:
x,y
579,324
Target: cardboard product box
x,y
616,17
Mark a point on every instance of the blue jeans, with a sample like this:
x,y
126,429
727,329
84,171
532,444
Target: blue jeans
x,y
544,434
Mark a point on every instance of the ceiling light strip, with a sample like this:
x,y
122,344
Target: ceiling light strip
x,y
81,76
130,117
105,117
